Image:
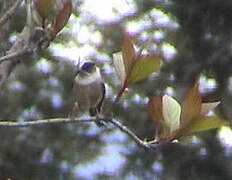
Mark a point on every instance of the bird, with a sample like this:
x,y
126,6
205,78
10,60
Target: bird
x,y
88,90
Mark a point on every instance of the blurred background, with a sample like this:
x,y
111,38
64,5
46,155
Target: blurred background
x,y
194,39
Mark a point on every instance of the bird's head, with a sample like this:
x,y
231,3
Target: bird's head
x,y
88,72
88,67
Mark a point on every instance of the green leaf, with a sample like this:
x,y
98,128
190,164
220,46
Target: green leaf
x,y
171,113
62,17
144,67
204,124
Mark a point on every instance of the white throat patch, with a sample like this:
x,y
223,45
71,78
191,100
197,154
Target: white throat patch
x,y
90,78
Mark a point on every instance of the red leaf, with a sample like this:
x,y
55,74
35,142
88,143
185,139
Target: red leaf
x,y
155,110
63,17
191,111
191,106
128,53
44,7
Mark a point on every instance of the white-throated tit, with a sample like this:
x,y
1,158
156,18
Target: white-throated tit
x,y
88,89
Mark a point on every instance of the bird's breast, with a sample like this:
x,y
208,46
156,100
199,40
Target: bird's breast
x,y
88,95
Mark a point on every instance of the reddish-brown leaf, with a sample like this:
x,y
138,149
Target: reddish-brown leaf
x,y
44,7
155,110
62,17
128,53
191,106
192,117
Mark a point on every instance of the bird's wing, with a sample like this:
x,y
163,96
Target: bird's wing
x,y
99,106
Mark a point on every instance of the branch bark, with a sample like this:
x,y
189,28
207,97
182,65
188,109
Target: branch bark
x,y
132,135
9,14
44,122
59,121
24,45
6,67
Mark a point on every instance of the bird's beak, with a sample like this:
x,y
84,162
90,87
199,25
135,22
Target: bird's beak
x,y
83,72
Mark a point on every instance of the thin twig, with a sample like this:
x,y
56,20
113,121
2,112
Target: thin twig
x,y
132,135
23,46
44,122
7,15
58,121
14,56
6,67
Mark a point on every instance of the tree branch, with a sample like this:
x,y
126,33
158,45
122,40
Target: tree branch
x,y
139,141
15,56
23,46
58,121
44,122
22,41
7,15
